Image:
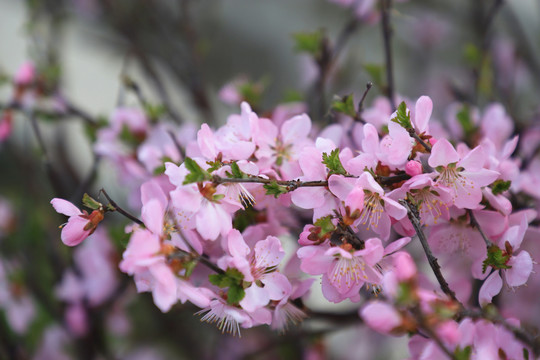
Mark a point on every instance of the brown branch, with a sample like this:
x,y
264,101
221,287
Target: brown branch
x,y
475,224
386,7
115,207
412,212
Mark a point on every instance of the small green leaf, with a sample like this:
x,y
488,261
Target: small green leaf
x,y
310,43
463,354
90,202
403,116
525,353
333,163
500,186
326,225
217,279
464,119
274,189
344,105
473,55
196,173
154,112
292,96
235,171
251,92
496,258
235,294
375,72
218,197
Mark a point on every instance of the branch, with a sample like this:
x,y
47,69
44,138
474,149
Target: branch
x,y
360,108
119,209
426,146
293,184
387,36
412,212
419,316
475,224
180,254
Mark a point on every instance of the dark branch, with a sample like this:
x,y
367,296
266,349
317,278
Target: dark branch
x,y
414,217
387,37
119,209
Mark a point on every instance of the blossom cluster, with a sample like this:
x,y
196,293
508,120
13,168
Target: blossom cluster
x,y
216,206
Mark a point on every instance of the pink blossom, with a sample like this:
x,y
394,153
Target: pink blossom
x,y
258,265
80,225
465,176
26,74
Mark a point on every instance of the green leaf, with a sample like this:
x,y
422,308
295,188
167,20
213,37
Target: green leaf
x,y
500,186
196,173
232,279
217,279
472,55
274,189
375,72
496,258
292,96
235,171
154,112
90,202
403,116
344,105
326,225
251,92
333,164
463,354
310,43
464,119
235,294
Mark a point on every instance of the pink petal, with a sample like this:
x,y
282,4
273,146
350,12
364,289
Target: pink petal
x,y
394,209
422,113
206,141
276,285
164,291
491,287
442,154
65,207
256,297
381,317
341,186
268,252
73,232
153,215
236,245
474,160
296,128
522,266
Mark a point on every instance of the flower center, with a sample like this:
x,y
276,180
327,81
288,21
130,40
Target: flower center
x,y
373,209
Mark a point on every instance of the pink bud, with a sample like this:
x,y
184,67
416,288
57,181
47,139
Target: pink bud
x,y
25,74
413,168
405,267
381,316
448,331
76,319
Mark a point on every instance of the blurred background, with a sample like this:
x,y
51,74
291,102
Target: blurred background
x,y
96,55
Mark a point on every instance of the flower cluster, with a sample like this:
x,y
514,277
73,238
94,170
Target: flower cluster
x,y
212,225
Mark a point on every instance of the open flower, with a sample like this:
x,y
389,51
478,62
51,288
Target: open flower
x,y
465,176
80,225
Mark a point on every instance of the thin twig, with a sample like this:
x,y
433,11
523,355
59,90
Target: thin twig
x,y
475,224
201,258
416,311
387,37
420,141
119,209
412,212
